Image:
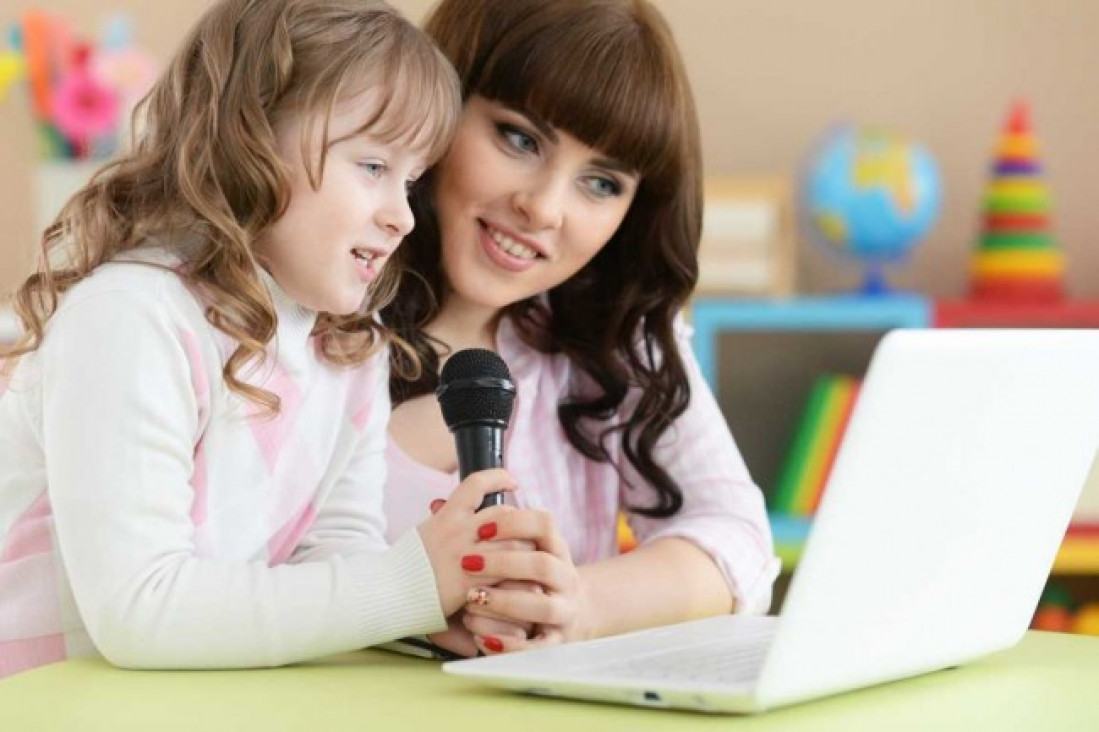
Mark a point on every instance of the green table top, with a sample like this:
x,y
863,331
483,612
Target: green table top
x,y
1048,682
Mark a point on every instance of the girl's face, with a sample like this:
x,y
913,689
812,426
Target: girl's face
x,y
332,242
522,206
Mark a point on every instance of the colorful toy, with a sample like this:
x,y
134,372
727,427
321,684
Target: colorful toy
x,y
12,69
84,108
1055,610
1053,618
816,442
1086,621
870,194
1017,258
626,540
79,93
1058,612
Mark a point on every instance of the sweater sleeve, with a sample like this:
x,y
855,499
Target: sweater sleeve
x,y
119,424
723,511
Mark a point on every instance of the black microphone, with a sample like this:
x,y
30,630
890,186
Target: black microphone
x,y
476,394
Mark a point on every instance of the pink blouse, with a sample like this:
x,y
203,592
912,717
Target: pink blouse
x,y
723,511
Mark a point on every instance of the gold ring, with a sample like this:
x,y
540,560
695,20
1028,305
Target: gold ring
x,y
477,596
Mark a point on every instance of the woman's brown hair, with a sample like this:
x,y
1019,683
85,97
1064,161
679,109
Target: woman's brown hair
x,y
608,73
203,169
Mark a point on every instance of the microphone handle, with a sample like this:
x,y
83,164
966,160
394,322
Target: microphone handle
x,y
480,447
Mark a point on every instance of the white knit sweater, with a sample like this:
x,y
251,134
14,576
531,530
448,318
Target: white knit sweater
x,y
151,515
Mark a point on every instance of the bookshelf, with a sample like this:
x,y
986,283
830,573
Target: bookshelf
x,y
714,316
978,314
761,357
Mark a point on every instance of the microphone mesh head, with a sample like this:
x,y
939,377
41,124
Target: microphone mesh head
x,y
475,386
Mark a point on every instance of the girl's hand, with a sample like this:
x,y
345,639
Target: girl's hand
x,y
555,607
451,538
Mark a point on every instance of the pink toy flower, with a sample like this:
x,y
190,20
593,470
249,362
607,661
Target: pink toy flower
x,y
84,108
128,71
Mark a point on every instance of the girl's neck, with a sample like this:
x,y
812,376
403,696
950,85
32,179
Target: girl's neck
x,y
461,326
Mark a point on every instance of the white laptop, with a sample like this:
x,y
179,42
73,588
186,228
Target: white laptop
x,y
947,502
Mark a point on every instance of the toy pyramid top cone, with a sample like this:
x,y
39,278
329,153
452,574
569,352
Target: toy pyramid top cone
x,y
1017,258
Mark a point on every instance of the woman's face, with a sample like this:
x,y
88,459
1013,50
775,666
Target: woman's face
x,y
522,206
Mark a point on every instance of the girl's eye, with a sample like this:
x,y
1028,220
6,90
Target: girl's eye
x,y
373,168
517,139
603,187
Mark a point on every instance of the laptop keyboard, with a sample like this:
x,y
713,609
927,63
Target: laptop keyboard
x,y
730,661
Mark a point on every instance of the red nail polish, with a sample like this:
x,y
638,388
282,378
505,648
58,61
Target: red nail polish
x,y
473,562
486,531
493,643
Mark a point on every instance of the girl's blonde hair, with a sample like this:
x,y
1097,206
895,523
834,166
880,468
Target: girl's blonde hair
x,y
203,166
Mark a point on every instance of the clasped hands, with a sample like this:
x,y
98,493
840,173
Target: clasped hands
x,y
507,581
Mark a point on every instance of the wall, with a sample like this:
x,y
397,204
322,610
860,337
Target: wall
x,y
771,74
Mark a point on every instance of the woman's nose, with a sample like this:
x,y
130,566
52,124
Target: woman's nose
x,y
541,203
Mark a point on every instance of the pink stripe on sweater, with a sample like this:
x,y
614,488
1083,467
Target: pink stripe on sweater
x,y
201,385
199,381
29,602
272,432
283,543
23,655
30,534
362,396
199,485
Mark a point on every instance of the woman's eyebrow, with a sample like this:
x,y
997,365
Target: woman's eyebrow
x,y
546,129
616,165
539,124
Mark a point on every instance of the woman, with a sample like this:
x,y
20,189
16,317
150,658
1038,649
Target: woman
x,y
561,230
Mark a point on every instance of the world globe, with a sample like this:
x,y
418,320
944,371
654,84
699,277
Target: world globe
x,y
872,195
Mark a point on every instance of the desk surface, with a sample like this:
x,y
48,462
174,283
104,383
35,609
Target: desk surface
x,y
1047,682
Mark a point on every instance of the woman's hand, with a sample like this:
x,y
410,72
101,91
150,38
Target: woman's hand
x,y
542,590
487,632
452,542
455,638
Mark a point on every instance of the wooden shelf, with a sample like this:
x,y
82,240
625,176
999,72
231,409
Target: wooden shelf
x,y
991,314
1078,555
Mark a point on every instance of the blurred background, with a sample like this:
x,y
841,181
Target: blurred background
x,y
770,76
962,117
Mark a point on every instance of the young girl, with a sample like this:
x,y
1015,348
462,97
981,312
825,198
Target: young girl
x,y
174,490
561,229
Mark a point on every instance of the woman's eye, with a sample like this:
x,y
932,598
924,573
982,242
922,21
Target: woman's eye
x,y
603,187
373,168
517,139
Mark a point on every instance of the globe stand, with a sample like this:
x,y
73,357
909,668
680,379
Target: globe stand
x,y
874,283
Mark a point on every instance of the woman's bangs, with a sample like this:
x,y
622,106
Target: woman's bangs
x,y
613,97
